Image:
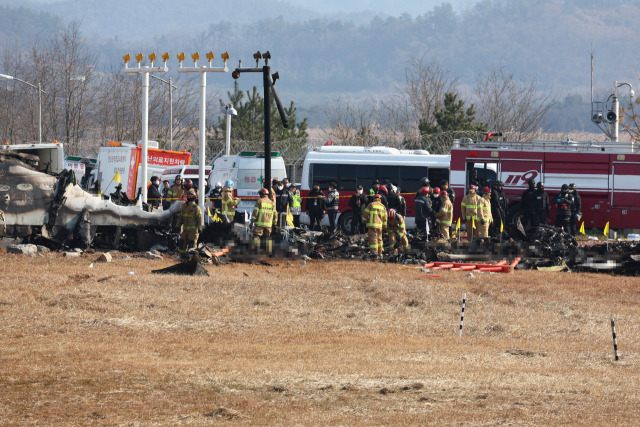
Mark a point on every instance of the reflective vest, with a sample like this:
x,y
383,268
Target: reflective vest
x,y
229,204
397,225
375,216
264,213
175,193
297,206
484,209
445,215
190,218
469,206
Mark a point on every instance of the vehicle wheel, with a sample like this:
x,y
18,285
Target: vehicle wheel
x,y
345,222
515,213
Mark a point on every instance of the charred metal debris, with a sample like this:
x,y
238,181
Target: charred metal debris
x,y
53,212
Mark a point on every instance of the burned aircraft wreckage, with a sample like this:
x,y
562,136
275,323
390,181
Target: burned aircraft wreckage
x,y
53,210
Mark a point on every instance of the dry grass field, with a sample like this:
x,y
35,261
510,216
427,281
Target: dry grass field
x,y
329,343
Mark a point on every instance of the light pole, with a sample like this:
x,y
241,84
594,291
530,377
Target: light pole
x,y
171,87
616,106
268,83
145,71
40,92
203,107
230,112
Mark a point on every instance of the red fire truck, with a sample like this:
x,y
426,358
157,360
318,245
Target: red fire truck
x,y
607,175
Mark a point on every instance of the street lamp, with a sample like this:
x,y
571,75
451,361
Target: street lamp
x,y
40,92
616,106
230,112
171,87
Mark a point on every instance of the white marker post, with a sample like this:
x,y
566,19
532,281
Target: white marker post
x,y
203,109
145,107
464,299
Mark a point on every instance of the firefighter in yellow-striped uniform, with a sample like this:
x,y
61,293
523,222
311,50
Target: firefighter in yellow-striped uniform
x,y
397,231
484,213
177,191
228,203
445,215
263,219
190,219
375,217
469,207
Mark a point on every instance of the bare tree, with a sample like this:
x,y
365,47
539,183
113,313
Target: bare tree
x,y
16,122
509,105
351,123
65,68
423,90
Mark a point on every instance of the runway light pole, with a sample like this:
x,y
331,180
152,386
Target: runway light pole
x,y
40,92
203,108
145,71
171,87
230,112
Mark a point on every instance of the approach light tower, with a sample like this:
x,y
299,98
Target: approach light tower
x,y
203,108
268,82
145,71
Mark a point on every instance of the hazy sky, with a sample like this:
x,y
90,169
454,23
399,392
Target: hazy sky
x,y
393,8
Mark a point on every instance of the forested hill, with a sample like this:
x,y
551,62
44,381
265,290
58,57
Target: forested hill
x,y
21,26
545,40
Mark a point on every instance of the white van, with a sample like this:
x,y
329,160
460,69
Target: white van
x,y
187,171
246,170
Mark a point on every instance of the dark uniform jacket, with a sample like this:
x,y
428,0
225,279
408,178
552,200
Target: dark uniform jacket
x,y
564,204
154,195
498,206
315,203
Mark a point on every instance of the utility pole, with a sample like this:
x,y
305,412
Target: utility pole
x,y
268,82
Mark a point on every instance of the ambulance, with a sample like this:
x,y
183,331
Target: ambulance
x,y
246,170
120,163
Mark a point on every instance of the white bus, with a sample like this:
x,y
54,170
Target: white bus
x,y
351,166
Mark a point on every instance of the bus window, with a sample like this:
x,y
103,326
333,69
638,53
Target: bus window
x,y
388,173
324,174
410,177
437,175
347,177
366,175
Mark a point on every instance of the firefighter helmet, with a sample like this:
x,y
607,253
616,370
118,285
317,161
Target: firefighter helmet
x,y
228,183
424,190
188,183
436,192
263,192
392,213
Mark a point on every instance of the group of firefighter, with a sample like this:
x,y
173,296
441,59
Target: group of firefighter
x,y
484,212
189,219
